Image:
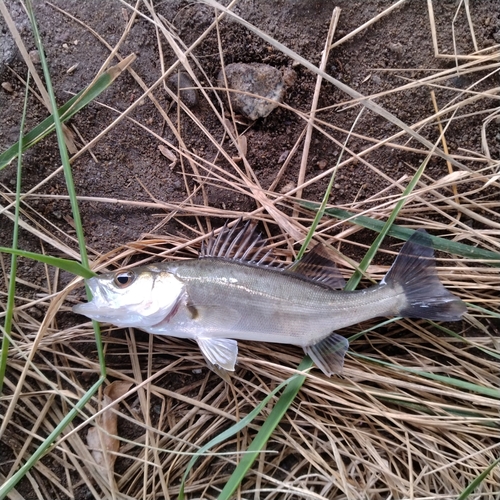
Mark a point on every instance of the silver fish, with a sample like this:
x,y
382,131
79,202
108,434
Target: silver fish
x,y
230,294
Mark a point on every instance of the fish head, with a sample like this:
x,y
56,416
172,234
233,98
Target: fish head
x,y
140,297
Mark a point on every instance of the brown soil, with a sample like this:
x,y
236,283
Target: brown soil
x,y
126,163
128,153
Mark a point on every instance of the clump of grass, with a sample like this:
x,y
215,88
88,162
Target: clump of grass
x,y
416,413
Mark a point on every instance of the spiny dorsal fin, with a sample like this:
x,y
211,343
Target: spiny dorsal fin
x,y
317,265
241,242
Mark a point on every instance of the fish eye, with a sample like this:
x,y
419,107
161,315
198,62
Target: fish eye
x,y
124,279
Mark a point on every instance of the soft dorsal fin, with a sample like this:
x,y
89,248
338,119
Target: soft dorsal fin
x,y
241,242
318,265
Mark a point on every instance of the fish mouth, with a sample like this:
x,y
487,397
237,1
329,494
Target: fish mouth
x,y
97,306
89,309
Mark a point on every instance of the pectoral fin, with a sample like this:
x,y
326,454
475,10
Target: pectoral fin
x,y
328,354
221,353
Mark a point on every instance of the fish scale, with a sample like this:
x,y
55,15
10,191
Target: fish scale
x,y
277,305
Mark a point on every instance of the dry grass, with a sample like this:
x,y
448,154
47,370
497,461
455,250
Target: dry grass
x,y
380,431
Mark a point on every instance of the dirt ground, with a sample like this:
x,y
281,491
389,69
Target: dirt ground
x,y
128,153
126,163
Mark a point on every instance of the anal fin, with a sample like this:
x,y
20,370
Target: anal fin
x,y
328,354
221,353
223,374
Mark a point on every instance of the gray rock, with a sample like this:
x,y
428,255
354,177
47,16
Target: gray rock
x,y
258,79
180,83
8,48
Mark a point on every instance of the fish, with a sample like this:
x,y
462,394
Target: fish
x,y
236,290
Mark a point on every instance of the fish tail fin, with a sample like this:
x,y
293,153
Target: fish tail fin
x,y
415,270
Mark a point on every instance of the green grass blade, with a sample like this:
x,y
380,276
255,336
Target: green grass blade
x,y
73,106
65,264
455,382
259,442
382,324
479,479
451,333
403,233
11,292
358,273
44,447
321,208
232,431
68,175
492,314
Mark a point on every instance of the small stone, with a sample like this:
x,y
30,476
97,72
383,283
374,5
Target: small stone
x,y
289,77
283,156
181,83
7,86
34,56
287,187
396,47
258,79
35,312
322,164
